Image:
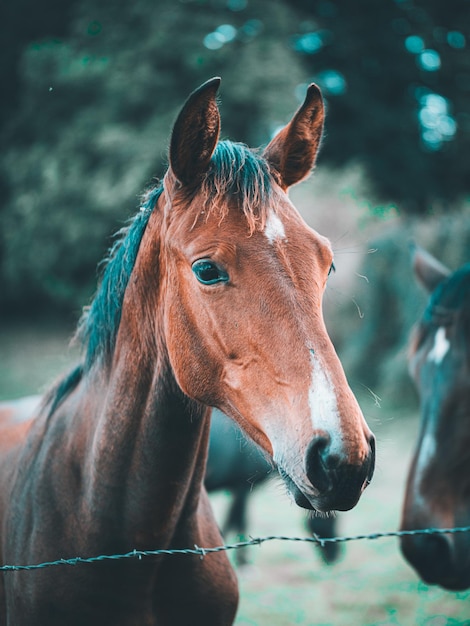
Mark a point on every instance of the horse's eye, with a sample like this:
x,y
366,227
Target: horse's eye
x,y
208,273
332,269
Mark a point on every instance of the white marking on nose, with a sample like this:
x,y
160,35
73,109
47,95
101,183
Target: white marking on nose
x,y
426,455
323,402
274,228
440,348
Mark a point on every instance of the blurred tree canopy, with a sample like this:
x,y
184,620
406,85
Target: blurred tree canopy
x,y
91,90
397,76
93,118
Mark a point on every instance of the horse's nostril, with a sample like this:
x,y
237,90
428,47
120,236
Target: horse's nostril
x,y
370,473
319,462
328,470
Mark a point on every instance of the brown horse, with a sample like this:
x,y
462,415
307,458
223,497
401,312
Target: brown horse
x,y
212,298
438,489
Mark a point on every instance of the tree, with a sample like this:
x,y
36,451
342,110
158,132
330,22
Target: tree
x,y
396,75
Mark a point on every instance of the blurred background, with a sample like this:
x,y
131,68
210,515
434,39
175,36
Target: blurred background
x,y
89,94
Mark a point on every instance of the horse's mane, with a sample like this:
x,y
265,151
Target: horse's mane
x,y
99,323
236,173
244,176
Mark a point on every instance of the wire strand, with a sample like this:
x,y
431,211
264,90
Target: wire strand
x,y
203,552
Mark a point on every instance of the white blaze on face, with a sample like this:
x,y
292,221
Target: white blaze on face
x,y
323,403
440,348
274,228
426,454
428,448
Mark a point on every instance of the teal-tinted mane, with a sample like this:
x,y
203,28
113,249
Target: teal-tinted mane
x,y
99,324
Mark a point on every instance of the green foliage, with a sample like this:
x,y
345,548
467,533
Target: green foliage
x,y
396,74
94,117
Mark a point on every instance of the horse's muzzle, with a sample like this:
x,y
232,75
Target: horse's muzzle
x,y
438,560
337,482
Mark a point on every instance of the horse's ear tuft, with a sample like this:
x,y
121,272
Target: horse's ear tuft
x,y
293,151
195,134
428,270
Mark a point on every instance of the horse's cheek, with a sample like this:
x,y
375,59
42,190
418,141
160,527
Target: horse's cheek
x,y
190,358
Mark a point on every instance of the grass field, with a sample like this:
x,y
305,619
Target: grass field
x,y
287,583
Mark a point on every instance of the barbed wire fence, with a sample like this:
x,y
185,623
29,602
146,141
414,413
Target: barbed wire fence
x,y
254,541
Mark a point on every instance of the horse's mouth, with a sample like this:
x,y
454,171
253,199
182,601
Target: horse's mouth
x,y
457,580
449,584
300,498
437,558
341,494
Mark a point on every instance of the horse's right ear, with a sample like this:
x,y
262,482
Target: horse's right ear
x,y
195,134
293,151
428,270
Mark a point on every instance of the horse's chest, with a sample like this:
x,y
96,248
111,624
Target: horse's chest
x,y
120,594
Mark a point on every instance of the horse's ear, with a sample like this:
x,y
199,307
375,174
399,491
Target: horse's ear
x,y
428,270
195,134
293,150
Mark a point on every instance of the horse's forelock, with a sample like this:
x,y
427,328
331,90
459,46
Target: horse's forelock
x,y
241,177
238,178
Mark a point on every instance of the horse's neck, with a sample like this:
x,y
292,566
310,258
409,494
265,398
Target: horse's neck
x,y
146,451
147,442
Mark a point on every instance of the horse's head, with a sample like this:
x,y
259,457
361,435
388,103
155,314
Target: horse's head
x,y
438,490
243,278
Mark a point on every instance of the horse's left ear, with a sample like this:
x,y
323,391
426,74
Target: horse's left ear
x,y
195,134
293,150
428,270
